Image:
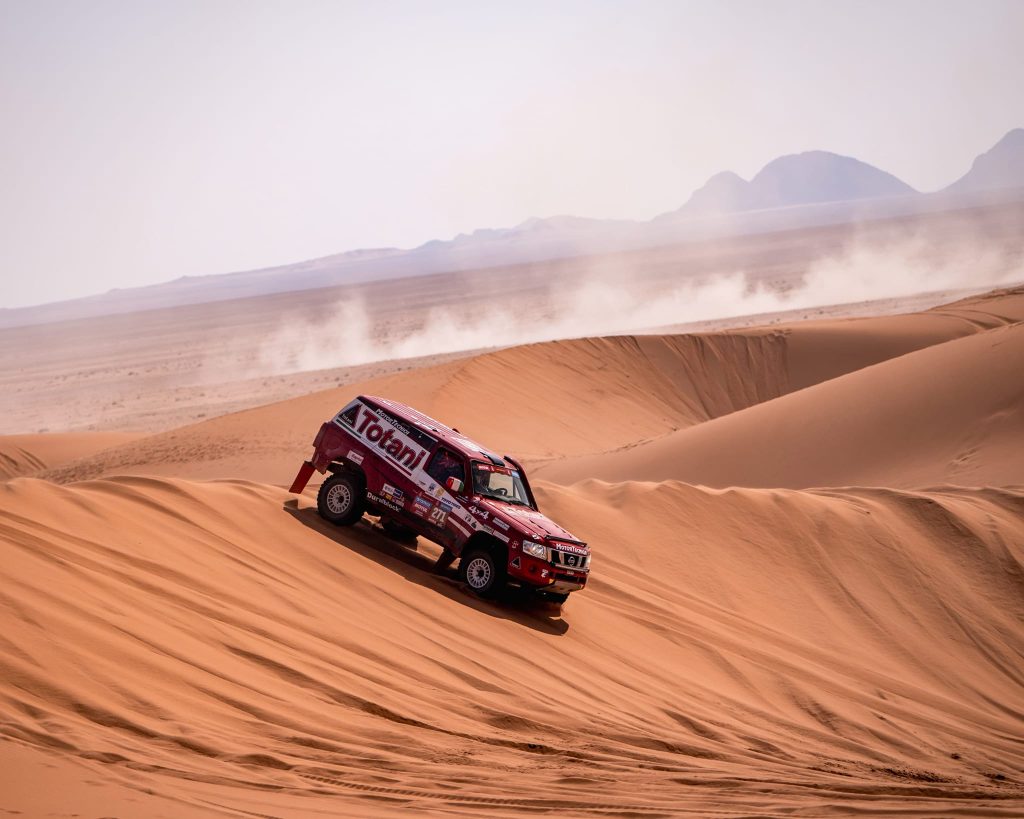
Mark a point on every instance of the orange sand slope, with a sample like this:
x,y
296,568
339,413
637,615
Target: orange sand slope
x,y
948,414
29,454
569,398
214,649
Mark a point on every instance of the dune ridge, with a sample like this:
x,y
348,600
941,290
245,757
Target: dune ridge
x,y
564,399
216,646
23,455
946,414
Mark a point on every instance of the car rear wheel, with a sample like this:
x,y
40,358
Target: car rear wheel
x,y
340,500
481,572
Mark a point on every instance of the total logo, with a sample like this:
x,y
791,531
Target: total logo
x,y
372,429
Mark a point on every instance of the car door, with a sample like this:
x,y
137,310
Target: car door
x,y
436,503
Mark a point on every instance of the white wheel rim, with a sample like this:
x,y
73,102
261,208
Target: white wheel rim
x,y
478,573
338,499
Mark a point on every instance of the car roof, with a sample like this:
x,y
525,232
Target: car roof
x,y
449,437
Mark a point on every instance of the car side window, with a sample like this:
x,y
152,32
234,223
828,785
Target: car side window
x,y
446,464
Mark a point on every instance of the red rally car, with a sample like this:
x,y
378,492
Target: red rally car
x,y
422,477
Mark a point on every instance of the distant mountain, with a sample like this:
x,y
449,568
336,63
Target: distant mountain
x,y
791,192
725,192
1002,166
532,229
797,179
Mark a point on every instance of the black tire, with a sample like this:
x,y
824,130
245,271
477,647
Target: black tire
x,y
340,500
397,530
481,572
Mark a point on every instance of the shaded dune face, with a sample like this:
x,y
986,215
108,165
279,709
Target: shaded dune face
x,y
204,644
177,646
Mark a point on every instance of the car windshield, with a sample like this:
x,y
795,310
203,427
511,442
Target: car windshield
x,y
499,482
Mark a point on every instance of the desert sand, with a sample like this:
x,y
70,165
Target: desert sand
x,y
157,369
807,594
33,453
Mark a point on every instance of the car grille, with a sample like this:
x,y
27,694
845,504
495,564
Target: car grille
x,y
570,561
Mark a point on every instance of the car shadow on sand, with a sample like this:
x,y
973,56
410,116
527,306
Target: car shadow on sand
x,y
409,560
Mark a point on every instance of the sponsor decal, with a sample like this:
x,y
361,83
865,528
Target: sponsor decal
x,y
516,563
569,547
384,502
504,470
438,516
394,442
421,506
393,493
446,504
355,457
438,492
500,524
388,418
480,512
418,435
348,416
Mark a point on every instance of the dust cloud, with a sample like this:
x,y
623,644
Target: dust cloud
x,y
347,334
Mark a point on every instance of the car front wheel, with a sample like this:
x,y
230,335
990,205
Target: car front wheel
x,y
482,573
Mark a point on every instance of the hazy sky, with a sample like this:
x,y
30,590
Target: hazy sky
x,y
142,141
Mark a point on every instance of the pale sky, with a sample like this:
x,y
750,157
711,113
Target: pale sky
x,y
142,141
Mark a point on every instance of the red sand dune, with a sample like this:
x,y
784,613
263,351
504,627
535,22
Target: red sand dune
x,y
176,647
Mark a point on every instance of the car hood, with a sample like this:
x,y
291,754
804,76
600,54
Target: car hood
x,y
525,519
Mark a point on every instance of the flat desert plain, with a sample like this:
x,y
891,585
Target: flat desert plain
x,y
807,595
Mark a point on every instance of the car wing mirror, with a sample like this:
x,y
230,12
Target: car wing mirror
x,y
454,484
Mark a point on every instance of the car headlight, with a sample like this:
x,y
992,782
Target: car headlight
x,y
535,549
